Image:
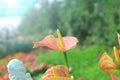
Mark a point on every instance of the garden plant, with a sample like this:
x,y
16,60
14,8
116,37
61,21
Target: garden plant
x,y
60,71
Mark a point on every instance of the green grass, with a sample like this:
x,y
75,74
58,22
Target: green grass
x,y
83,61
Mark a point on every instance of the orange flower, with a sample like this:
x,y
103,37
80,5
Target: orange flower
x,y
61,43
106,64
58,72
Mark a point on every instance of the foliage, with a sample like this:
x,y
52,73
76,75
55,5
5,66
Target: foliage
x,y
14,47
91,21
84,62
11,42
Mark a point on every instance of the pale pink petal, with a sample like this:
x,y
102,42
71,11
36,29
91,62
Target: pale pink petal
x,y
70,42
119,39
49,41
114,77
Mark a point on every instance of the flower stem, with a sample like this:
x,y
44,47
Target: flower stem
x,y
66,59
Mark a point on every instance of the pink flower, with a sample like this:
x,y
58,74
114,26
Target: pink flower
x,y
114,77
80,79
33,67
58,72
42,66
118,38
61,43
99,55
50,65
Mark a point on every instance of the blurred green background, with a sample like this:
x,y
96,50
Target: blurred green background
x,y
94,22
91,21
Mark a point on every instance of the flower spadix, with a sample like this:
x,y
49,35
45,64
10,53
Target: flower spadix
x,y
61,43
117,56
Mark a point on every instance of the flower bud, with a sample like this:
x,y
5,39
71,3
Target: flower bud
x,y
106,64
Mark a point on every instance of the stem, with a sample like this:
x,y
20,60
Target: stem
x,y
66,59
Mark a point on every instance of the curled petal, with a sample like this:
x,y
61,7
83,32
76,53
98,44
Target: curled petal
x,y
49,41
106,64
58,72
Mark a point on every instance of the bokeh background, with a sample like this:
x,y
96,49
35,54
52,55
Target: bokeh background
x,y
94,22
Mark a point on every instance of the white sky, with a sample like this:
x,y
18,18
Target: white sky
x,y
12,3
14,21
10,22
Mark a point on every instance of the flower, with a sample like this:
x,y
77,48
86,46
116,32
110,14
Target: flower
x,y
58,72
80,79
118,38
114,77
61,43
107,64
42,66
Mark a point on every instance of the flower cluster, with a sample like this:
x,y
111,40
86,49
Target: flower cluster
x,y
29,60
3,72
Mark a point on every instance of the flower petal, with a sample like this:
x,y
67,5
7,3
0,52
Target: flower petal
x,y
106,64
70,42
118,38
57,71
54,43
49,41
114,77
